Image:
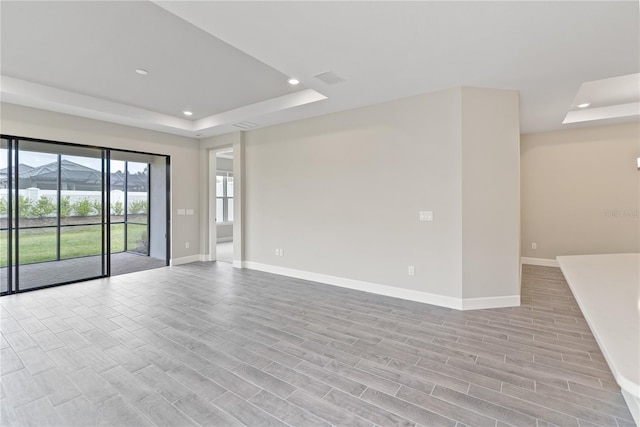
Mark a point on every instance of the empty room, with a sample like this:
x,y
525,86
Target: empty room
x,y
331,213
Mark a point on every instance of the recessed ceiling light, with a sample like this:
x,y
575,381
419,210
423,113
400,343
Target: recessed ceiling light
x,y
187,113
585,105
293,81
142,72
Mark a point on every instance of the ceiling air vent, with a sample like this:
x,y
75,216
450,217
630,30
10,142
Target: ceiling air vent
x,y
245,125
329,78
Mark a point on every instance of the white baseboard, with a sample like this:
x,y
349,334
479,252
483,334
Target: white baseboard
x,y
490,302
224,239
540,261
390,291
237,264
199,257
633,402
187,259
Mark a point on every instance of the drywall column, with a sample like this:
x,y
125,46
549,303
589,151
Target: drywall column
x,y
490,197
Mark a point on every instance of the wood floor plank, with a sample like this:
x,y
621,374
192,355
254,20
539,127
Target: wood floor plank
x,y
368,411
161,412
301,381
326,410
286,411
444,408
406,409
482,405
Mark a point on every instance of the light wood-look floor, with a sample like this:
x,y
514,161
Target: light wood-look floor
x,y
224,252
206,344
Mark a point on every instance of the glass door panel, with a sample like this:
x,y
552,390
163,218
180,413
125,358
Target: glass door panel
x,y
6,189
137,208
81,196
60,227
81,241
118,203
4,260
37,214
81,190
139,231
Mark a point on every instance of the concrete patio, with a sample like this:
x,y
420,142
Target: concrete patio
x,y
53,272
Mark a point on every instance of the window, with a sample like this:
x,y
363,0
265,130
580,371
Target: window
x,y
224,197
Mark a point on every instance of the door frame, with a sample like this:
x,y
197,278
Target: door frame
x,y
238,212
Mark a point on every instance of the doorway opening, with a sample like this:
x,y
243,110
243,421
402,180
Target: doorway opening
x,y
224,206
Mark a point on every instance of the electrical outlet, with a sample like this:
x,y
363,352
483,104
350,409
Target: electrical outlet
x,y
425,215
534,246
412,270
277,252
186,245
281,252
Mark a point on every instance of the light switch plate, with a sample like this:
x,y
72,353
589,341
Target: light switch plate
x,y
426,215
180,211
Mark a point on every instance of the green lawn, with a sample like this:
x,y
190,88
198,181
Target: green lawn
x,y
38,245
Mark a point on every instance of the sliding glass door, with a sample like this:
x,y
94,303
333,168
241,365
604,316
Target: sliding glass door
x,y
70,213
60,228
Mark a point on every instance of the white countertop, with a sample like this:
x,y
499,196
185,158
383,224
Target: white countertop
x,y
607,289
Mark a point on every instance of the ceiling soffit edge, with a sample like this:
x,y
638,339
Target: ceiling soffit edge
x,y
22,92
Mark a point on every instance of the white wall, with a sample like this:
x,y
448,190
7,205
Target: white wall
x,y
581,191
340,194
223,164
184,152
490,193
224,233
